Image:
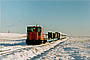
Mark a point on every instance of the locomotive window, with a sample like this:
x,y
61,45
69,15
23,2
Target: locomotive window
x,y
38,29
30,29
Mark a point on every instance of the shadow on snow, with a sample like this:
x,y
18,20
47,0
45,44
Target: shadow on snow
x,y
20,43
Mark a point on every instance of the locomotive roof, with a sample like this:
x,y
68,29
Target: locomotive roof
x,y
34,26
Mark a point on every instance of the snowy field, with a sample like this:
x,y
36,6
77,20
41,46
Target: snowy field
x,y
76,48
13,47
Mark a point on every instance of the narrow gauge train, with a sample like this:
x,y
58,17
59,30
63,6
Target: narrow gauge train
x,y
35,35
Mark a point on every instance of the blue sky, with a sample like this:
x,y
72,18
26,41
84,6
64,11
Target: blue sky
x,y
70,17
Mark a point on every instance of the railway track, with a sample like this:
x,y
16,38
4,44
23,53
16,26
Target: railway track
x,y
45,52
5,51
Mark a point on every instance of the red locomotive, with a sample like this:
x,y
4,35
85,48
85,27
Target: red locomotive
x,y
35,35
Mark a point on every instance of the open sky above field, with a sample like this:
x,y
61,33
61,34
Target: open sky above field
x,y
70,17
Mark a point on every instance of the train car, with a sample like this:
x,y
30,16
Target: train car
x,y
35,35
57,35
62,36
52,36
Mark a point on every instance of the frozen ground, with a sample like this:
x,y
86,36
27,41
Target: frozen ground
x,y
14,47
76,48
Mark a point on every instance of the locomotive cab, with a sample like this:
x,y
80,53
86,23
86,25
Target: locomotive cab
x,y
34,35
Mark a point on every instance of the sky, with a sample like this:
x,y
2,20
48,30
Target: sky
x,y
70,17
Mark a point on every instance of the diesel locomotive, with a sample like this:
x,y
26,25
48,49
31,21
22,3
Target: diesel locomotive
x,y
35,35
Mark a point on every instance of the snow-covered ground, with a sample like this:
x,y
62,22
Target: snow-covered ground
x,y
76,48
13,47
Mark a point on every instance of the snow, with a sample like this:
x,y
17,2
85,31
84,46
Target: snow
x,y
68,51
14,47
11,36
